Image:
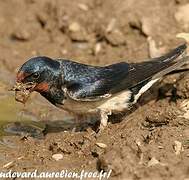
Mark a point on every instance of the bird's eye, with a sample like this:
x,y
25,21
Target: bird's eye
x,y
36,75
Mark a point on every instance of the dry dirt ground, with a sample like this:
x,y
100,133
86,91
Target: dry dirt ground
x,y
152,141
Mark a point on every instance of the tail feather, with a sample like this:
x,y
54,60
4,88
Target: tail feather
x,y
150,72
157,67
172,55
181,61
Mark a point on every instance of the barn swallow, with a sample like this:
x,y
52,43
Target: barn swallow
x,y
92,90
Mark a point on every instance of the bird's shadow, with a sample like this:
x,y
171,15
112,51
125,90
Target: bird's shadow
x,y
60,125
156,93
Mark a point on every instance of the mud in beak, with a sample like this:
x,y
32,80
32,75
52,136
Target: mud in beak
x,y
23,91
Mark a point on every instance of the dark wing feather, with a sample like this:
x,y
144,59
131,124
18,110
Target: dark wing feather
x,y
156,67
91,83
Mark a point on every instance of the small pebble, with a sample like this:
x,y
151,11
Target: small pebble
x,y
160,147
116,38
97,48
178,147
153,162
57,157
74,27
153,50
8,165
101,145
111,25
83,7
22,35
184,36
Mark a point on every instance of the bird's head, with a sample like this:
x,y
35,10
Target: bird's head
x,y
37,74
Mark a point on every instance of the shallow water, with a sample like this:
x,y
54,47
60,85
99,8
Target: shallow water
x,y
14,120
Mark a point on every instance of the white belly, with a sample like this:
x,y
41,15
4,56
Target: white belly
x,y
116,103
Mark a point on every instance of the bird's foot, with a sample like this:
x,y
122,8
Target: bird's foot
x,y
74,130
100,130
103,122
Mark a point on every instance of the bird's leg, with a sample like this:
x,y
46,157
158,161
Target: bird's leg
x,y
79,118
84,120
103,120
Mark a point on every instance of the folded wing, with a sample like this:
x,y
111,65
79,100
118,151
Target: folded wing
x,y
91,83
